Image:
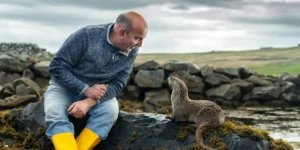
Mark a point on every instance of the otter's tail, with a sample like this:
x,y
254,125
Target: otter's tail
x,y
199,134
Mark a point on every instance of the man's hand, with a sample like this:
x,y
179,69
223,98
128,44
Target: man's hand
x,y
96,91
80,108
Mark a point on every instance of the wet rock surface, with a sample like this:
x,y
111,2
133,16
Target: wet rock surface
x,y
279,122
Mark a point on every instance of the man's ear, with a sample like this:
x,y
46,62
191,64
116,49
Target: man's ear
x,y
122,32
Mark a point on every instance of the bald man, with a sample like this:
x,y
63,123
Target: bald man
x,y
87,73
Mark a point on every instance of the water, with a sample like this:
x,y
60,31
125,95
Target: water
x,y
279,122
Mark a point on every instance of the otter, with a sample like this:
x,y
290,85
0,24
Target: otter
x,y
204,114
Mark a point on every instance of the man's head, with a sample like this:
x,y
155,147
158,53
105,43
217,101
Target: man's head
x,y
129,31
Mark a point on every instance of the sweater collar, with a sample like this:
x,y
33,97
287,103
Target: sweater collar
x,y
107,38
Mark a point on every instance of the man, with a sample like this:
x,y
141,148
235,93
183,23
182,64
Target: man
x,y
87,73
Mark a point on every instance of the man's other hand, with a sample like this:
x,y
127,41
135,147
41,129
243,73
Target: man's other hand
x,y
80,108
96,91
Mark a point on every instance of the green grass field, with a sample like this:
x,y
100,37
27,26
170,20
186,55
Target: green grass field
x,y
269,62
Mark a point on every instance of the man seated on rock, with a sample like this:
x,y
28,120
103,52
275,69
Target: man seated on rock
x,y
87,73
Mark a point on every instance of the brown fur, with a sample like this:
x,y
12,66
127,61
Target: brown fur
x,y
204,114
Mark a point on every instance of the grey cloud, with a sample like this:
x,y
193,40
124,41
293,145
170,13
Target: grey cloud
x,y
96,4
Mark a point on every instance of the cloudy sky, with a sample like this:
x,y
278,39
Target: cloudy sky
x,y
175,26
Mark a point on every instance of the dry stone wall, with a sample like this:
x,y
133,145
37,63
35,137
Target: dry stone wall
x,y
24,71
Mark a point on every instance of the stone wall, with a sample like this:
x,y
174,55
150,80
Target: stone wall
x,y
229,87
23,66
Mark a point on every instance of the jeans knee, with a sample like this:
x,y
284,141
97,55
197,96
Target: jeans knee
x,y
113,114
53,113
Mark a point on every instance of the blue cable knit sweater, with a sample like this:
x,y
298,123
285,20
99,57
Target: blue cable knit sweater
x,y
87,58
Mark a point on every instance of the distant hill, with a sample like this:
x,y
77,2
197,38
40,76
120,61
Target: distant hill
x,y
268,61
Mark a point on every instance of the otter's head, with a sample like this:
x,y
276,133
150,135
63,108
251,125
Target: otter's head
x,y
176,83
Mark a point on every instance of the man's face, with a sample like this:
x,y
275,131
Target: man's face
x,y
133,38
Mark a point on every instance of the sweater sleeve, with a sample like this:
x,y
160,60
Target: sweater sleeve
x,y
119,82
66,58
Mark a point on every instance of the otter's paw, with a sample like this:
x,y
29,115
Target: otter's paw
x,y
170,117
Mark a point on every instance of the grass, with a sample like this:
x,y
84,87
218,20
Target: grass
x,y
279,68
274,61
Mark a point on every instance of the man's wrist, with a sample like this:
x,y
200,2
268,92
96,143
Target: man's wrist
x,y
91,102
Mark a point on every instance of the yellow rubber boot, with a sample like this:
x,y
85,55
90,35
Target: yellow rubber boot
x,y
87,139
64,141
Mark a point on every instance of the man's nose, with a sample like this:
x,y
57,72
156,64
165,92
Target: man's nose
x,y
140,43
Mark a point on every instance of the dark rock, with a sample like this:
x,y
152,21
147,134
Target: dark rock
x,y
215,79
148,65
27,73
173,65
258,81
8,77
132,92
194,83
244,72
225,91
42,82
153,131
286,77
149,78
206,70
28,83
264,93
229,72
244,86
154,99
32,116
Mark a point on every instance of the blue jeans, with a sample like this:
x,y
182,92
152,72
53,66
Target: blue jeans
x,y
57,101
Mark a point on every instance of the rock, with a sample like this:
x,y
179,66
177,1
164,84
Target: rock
x,y
148,65
32,117
8,77
42,82
291,97
264,93
149,78
132,91
14,113
41,69
8,90
29,84
225,103
244,86
21,90
27,73
155,99
225,91
173,65
286,86
20,51
206,70
215,79
286,77
229,72
194,83
244,72
153,131
257,81
10,64
251,103
276,103
15,100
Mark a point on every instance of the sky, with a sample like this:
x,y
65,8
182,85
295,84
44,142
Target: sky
x,y
175,26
